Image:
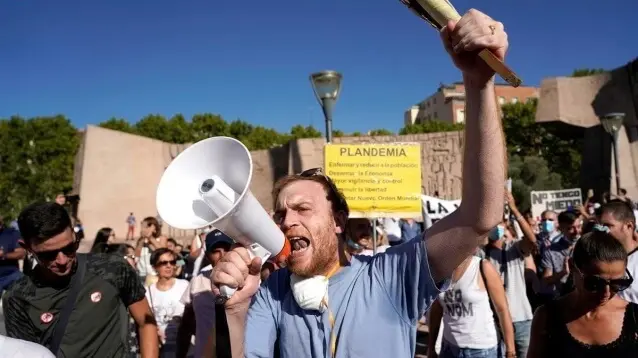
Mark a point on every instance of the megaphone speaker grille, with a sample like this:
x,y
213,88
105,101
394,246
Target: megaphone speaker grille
x,y
192,173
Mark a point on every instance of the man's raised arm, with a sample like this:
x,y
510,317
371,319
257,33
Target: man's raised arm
x,y
455,237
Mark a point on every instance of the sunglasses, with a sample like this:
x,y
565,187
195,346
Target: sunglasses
x,y
132,257
68,250
164,263
596,284
318,172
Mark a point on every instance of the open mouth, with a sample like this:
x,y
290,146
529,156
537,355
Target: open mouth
x,y
299,244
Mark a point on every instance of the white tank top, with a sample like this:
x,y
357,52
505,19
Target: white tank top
x,y
467,317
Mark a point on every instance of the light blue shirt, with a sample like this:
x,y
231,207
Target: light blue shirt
x,y
376,302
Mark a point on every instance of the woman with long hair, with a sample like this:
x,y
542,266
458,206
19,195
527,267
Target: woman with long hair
x,y
102,240
150,240
164,297
591,321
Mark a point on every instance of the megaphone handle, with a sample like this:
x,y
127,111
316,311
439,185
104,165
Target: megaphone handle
x,y
254,250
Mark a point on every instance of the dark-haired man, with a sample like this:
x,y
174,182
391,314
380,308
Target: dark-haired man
x,y
555,259
75,304
325,303
619,217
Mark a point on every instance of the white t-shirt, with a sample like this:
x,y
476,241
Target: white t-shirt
x,y
631,294
144,267
166,305
199,293
380,249
17,348
392,228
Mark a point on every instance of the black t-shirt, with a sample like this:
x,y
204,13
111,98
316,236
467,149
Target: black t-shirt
x,y
98,325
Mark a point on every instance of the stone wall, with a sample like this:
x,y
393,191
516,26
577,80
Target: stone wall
x,y
118,173
580,102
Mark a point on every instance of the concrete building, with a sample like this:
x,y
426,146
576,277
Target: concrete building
x,y
580,102
448,103
117,173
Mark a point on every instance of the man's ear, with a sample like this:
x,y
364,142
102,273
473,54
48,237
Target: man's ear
x,y
340,222
22,244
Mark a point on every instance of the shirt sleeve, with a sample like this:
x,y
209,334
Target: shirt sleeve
x,y
128,282
261,324
546,261
12,243
404,272
186,297
16,320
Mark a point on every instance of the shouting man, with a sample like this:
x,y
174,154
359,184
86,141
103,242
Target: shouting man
x,y
327,304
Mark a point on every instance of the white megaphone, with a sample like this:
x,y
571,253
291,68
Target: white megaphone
x,y
208,184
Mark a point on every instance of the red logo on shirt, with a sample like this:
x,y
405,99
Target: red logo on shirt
x,y
46,317
96,296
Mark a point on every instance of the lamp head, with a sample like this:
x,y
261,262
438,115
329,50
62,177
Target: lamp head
x,y
612,122
326,85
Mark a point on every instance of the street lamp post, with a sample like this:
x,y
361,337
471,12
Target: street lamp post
x,y
327,86
612,123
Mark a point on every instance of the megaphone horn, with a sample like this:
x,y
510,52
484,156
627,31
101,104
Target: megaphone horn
x,y
208,184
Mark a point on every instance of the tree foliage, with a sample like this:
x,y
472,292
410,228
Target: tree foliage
x,y
530,173
36,160
560,148
431,126
582,72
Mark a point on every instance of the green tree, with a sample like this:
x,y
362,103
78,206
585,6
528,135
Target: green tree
x,y
154,126
561,147
299,131
208,125
431,126
263,138
380,132
36,160
180,130
118,124
338,133
530,173
355,134
240,129
582,72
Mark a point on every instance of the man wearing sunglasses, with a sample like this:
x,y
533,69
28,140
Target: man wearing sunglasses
x,y
618,217
327,304
77,305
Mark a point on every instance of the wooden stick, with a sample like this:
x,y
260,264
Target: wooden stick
x,y
442,11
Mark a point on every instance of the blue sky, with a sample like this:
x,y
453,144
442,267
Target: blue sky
x,y
92,60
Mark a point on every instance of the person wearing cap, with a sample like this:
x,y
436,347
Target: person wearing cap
x,y
199,300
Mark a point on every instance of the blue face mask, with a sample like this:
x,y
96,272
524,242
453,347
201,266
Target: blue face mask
x,y
547,226
497,233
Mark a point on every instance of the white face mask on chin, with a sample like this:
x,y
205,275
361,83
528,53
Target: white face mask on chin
x,y
310,292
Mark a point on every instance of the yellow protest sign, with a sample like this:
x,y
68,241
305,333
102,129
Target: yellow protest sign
x,y
378,180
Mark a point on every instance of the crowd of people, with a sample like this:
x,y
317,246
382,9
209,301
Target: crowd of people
x,y
494,285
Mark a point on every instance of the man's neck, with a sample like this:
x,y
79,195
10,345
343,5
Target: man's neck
x,y
48,278
631,245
